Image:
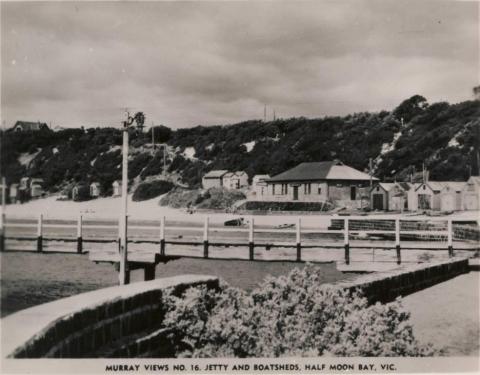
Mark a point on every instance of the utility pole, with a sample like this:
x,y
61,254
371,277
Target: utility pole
x,y
4,195
265,113
164,159
2,215
274,115
370,168
153,139
478,162
124,272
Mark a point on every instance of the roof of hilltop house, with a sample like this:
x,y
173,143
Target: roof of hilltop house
x,y
324,170
215,174
29,126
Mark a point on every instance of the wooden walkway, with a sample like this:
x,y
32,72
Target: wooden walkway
x,y
153,242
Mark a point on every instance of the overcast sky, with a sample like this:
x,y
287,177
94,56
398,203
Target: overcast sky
x,y
192,63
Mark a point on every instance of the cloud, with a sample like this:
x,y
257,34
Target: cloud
x,y
189,63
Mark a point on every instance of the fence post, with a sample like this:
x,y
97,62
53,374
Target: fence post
x,y
149,272
205,238
450,238
347,244
79,235
397,240
39,234
162,236
299,244
251,245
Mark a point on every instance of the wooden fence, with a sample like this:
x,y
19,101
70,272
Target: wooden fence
x,y
351,227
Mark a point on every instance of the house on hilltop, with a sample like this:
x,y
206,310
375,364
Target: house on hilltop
x,y
25,126
319,182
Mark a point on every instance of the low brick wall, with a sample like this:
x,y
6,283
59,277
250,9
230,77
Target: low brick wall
x,y
121,321
386,286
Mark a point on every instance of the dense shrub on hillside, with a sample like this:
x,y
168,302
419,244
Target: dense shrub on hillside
x,y
288,316
137,164
220,198
161,133
180,198
214,198
149,190
442,136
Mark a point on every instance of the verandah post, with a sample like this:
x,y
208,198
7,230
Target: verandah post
x,y
251,245
79,235
162,236
205,238
346,239
397,240
299,243
450,237
39,233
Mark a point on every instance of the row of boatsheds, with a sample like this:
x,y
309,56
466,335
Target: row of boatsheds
x,y
429,195
225,179
328,181
347,187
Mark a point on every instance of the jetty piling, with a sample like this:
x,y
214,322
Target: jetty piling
x,y
298,237
39,233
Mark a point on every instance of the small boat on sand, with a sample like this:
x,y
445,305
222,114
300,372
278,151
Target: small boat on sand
x,y
284,226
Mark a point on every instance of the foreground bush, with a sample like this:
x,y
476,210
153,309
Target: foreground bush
x,y
149,190
288,316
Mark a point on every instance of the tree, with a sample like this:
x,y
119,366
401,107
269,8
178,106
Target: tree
x,y
410,108
161,133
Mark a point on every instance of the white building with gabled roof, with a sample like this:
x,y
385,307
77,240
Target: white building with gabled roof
x,y
320,182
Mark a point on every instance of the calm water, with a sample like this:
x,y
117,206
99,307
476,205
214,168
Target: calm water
x,y
447,315
29,279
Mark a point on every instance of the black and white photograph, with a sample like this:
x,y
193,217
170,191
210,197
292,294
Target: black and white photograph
x,y
240,187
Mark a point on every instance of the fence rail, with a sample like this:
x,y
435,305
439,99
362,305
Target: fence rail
x,y
345,229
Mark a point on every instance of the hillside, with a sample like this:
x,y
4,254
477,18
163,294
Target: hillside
x,y
443,136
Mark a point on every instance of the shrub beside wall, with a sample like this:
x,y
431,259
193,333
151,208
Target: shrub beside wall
x,y
288,316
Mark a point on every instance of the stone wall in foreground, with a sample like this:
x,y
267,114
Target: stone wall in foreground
x,y
388,285
121,321
126,321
